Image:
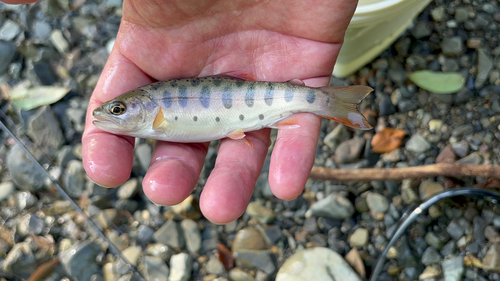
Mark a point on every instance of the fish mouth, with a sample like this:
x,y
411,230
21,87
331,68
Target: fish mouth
x,y
104,122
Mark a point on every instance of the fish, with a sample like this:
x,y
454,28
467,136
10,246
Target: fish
x,y
203,109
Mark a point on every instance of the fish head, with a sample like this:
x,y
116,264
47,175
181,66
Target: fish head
x,y
129,114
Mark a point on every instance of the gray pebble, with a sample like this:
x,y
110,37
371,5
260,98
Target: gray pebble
x,y
7,53
214,266
42,30
192,235
430,256
143,153
24,172
20,261
154,268
9,30
461,148
6,189
74,178
45,131
473,158
159,250
171,235
128,189
79,260
484,66
452,46
417,143
333,206
350,150
453,268
377,202
180,267
144,234
255,259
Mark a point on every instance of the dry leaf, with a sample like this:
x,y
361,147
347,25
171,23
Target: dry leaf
x,y
387,140
225,256
29,98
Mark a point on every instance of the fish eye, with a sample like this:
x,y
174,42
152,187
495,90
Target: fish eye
x,y
117,108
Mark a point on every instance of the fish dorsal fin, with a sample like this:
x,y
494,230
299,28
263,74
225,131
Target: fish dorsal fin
x,y
297,82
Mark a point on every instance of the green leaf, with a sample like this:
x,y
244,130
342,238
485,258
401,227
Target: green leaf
x,y
438,82
29,98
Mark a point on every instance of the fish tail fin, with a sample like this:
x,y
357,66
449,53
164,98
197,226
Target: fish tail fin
x,y
343,108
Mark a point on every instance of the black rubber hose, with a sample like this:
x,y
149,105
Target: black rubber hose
x,y
414,211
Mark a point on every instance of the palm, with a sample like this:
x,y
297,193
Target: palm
x,y
274,41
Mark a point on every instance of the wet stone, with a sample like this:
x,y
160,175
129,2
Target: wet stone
x,y
350,150
438,14
238,274
143,153
336,136
429,188
359,238
74,178
248,239
24,172
333,206
154,268
449,249
191,235
377,203
473,158
421,30
430,256
44,73
261,213
452,46
180,267
7,53
9,30
159,250
144,234
214,266
44,129
435,240
132,254
461,15
484,66
128,189
385,106
453,268
41,30
417,143
19,261
170,234
31,225
79,261
461,148
6,189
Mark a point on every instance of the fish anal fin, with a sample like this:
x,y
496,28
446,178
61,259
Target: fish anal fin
x,y
291,122
235,74
160,121
297,82
237,134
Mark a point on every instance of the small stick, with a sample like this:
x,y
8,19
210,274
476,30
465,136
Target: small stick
x,y
434,170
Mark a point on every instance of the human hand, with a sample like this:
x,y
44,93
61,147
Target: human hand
x,y
271,40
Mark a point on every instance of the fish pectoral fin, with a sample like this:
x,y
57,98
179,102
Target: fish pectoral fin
x,y
297,82
237,134
291,122
160,122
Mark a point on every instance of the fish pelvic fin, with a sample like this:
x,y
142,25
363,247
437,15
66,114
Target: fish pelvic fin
x,y
343,106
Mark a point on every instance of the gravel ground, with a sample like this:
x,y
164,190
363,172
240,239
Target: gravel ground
x,y
334,231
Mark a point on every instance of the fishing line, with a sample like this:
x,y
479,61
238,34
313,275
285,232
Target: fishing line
x,y
5,119
414,211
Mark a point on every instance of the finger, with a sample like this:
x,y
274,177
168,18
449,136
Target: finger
x,y
19,2
293,157
173,172
294,152
107,158
231,183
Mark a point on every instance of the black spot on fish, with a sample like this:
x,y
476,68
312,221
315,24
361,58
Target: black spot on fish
x,y
261,116
195,118
239,83
311,96
154,86
217,119
289,95
175,118
217,82
269,95
227,97
242,117
173,84
205,96
183,99
195,82
167,99
249,96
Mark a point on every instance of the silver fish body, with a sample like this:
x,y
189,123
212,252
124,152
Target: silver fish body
x,y
211,108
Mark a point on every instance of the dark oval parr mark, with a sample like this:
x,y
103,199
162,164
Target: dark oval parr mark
x,y
205,96
227,98
311,96
269,95
183,99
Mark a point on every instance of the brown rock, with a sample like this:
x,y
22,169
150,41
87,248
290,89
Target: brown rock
x,y
249,239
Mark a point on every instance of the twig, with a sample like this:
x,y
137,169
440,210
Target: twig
x,y
434,170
